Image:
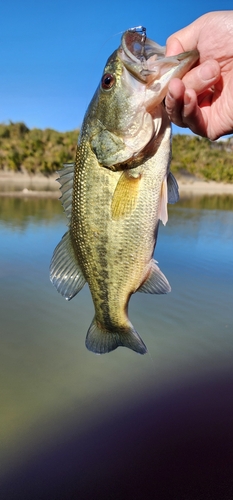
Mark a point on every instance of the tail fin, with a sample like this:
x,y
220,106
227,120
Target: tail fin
x,y
100,340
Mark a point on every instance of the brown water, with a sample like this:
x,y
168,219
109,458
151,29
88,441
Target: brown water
x,y
54,392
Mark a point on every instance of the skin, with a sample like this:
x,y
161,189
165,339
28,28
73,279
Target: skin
x,y
203,99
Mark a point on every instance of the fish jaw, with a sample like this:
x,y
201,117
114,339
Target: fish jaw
x,y
166,69
125,114
145,61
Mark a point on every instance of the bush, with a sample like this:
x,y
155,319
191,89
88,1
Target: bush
x,y
46,150
35,150
203,158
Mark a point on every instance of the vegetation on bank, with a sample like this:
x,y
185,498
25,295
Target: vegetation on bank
x,y
35,150
202,158
44,151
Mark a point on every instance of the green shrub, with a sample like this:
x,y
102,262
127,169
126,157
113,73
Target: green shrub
x,y
35,150
45,151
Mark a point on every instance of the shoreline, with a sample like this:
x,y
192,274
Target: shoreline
x,y
17,184
37,185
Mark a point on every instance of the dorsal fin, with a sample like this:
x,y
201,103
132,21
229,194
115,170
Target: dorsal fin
x,y
66,177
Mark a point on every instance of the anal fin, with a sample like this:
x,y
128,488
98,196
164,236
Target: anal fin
x,y
156,282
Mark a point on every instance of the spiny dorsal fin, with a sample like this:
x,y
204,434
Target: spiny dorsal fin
x,y
125,195
65,273
156,282
66,177
172,189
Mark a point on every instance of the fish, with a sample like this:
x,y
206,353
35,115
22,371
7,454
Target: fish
x,y
116,192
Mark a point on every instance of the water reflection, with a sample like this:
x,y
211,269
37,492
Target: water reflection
x,y
52,386
18,212
207,202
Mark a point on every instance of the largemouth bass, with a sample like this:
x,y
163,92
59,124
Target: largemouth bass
x,y
117,191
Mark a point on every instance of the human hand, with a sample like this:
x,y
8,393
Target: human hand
x,y
203,99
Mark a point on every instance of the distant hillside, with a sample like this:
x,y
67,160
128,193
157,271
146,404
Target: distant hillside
x,y
44,151
205,159
35,150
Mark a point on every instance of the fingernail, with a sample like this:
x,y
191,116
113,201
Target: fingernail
x,y
169,103
187,98
169,96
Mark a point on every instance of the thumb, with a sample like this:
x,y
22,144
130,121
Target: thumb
x,y
203,76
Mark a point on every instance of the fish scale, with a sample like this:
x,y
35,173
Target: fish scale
x,y
118,191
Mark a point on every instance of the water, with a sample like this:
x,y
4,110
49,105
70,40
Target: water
x,y
54,392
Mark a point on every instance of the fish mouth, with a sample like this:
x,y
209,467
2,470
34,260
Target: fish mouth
x,y
145,59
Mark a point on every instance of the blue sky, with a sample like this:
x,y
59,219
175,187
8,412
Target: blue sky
x,y
52,53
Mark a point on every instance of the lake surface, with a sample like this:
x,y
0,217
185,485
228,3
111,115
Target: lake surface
x,y
55,393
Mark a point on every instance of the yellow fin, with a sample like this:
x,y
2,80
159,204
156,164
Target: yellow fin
x,y
125,195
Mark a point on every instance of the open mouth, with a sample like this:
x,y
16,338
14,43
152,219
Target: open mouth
x,y
146,61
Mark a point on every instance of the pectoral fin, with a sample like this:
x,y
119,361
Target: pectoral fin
x,y
125,195
156,282
65,273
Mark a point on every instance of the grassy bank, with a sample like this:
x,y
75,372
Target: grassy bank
x,y
44,151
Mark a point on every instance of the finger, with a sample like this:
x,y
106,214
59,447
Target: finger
x,y
203,76
183,40
173,46
183,108
174,101
191,115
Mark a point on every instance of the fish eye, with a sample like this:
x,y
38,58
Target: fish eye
x,y
107,81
